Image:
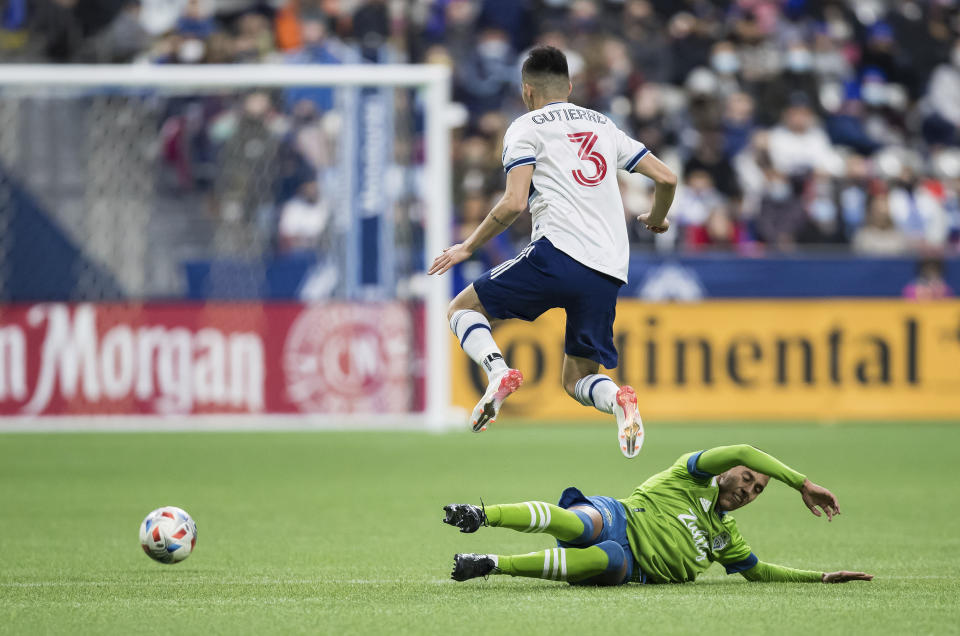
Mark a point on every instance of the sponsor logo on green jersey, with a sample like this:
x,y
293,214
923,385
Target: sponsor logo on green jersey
x,y
699,537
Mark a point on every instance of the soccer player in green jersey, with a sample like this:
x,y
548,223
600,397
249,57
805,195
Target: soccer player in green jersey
x,y
669,530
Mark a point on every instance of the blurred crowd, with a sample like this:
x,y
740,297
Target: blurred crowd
x,y
792,123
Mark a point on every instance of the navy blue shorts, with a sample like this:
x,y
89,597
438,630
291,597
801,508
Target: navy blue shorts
x,y
542,277
614,524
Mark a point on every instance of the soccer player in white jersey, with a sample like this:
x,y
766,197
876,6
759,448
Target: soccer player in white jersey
x,y
579,252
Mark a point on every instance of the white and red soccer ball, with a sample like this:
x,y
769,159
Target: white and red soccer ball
x,y
168,535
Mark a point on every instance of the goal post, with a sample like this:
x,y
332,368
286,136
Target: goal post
x,y
432,410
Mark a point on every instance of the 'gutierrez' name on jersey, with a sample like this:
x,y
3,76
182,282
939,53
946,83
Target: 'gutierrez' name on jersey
x,y
568,114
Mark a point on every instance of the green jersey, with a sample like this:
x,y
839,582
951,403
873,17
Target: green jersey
x,y
675,529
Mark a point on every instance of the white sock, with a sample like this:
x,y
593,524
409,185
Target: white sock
x,y
476,339
598,391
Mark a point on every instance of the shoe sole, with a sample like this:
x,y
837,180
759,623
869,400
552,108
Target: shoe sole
x,y
456,575
451,518
629,424
509,383
460,576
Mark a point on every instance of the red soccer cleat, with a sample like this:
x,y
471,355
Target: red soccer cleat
x,y
629,424
500,387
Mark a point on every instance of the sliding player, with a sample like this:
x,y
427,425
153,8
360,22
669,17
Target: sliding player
x,y
669,530
579,252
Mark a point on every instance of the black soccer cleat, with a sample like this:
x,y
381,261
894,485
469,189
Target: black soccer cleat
x,y
471,566
466,517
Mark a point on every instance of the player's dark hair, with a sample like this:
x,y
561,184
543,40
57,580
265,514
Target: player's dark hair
x,y
546,61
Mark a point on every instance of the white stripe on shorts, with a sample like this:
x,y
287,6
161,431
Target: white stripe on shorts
x,y
502,267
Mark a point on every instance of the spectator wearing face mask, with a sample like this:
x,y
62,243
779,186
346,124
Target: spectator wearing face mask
x,y
726,64
514,17
795,82
824,222
830,59
484,79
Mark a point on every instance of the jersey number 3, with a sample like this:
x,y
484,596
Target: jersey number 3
x,y
587,140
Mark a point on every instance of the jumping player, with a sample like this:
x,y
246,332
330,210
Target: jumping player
x,y
669,530
579,252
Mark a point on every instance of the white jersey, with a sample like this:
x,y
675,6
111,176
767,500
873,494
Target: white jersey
x,y
574,198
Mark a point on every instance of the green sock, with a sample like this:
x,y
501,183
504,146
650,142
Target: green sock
x,y
556,564
537,516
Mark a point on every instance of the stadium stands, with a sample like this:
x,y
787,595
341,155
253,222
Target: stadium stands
x,y
796,126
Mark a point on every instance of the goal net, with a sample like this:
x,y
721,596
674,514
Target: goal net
x,y
232,246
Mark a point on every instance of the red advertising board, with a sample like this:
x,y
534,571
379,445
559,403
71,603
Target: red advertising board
x,y
180,358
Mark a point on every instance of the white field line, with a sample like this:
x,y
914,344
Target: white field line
x,y
158,583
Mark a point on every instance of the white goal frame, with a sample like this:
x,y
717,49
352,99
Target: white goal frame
x,y
435,80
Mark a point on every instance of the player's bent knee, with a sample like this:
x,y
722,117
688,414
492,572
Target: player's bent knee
x,y
466,299
451,309
454,307
616,570
616,557
569,381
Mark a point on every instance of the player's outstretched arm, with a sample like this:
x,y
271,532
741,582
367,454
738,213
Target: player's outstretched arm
x,y
723,458
666,186
770,573
508,208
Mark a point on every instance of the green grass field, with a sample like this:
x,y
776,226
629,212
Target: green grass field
x,y
341,532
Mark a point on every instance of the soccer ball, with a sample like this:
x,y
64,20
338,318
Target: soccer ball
x,y
168,535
